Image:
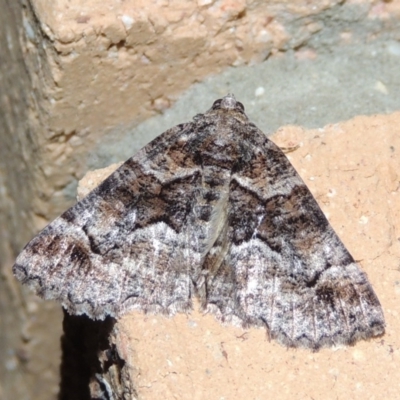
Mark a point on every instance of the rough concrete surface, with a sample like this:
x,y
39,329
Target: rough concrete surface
x,y
352,168
76,79
306,88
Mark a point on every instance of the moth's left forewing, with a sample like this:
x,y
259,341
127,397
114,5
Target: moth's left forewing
x,y
119,248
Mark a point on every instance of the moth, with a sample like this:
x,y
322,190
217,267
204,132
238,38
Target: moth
x,y
211,208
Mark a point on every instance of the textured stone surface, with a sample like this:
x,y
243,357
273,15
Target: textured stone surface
x,y
72,77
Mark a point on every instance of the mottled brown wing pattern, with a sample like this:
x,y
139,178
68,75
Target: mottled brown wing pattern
x,y
285,267
123,246
211,207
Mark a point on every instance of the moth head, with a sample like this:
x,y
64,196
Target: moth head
x,y
228,103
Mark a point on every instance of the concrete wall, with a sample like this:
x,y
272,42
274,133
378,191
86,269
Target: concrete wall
x,y
75,76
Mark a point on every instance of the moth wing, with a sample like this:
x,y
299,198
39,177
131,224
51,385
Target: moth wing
x,y
281,265
119,248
